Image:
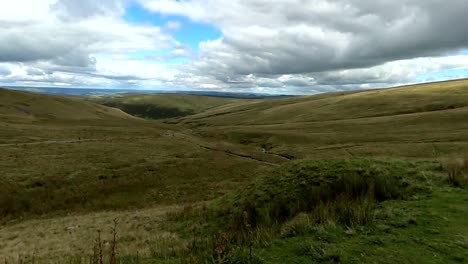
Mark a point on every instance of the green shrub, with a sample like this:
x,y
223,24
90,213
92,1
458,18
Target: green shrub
x,y
329,191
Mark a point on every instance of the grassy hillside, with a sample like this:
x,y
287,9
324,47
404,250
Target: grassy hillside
x,y
159,106
17,105
78,156
426,120
341,106
341,177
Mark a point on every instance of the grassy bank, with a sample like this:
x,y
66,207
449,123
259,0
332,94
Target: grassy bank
x,y
336,211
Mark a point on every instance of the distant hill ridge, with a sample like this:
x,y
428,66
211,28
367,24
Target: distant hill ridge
x,y
113,91
341,106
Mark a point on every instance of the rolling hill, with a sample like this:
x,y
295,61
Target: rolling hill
x,y
65,154
426,120
340,106
17,105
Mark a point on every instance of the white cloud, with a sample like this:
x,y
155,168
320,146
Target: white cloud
x,y
136,68
69,10
24,10
401,71
279,46
63,42
321,37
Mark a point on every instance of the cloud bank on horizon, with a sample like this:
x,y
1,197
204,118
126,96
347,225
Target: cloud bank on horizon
x,y
274,46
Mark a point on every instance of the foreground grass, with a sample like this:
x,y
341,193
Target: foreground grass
x,y
424,230
406,211
349,211
394,211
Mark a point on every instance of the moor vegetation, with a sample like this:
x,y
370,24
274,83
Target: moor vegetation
x,y
376,176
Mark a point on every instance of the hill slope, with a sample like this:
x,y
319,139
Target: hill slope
x,y
16,105
63,154
339,106
414,121
159,106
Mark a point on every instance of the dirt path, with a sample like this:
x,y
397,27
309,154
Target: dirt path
x,y
240,155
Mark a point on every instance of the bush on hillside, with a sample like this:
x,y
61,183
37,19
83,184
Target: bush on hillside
x,y
338,191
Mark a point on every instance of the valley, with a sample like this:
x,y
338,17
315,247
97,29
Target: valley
x,y
376,176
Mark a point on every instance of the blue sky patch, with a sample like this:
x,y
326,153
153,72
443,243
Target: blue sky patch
x,y
190,33
443,75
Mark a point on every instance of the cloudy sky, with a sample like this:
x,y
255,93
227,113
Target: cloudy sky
x,y
274,46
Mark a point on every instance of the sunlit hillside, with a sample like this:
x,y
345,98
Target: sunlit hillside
x,y
427,120
16,105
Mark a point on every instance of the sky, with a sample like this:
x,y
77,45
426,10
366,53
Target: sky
x,y
263,46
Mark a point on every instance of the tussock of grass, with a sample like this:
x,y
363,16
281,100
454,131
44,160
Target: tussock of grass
x,y
319,252
457,172
297,199
298,196
329,191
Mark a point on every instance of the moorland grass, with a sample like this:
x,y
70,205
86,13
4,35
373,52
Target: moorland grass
x,y
316,205
343,200
423,121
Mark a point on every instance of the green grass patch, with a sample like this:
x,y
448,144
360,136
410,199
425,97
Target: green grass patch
x,y
349,211
341,191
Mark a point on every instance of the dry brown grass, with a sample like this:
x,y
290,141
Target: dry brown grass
x,y
139,232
